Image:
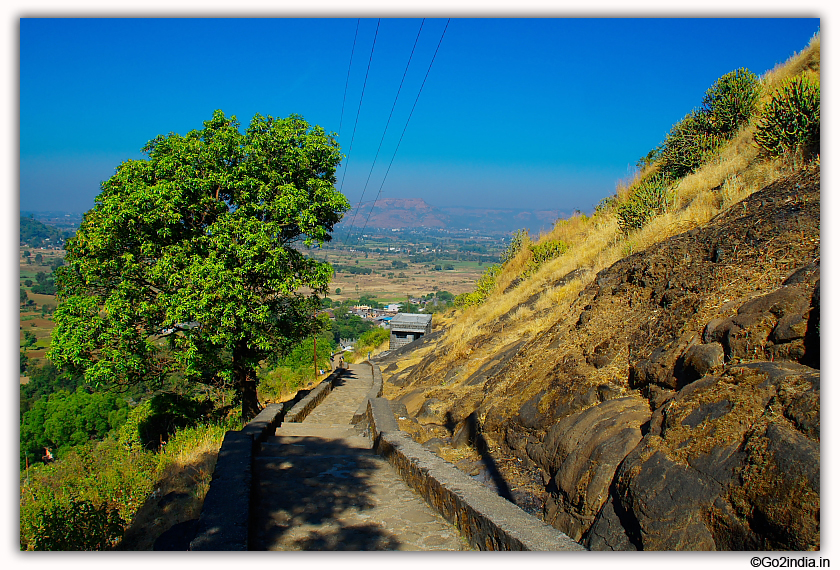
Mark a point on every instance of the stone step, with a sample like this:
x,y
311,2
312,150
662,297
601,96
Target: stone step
x,y
324,429
314,439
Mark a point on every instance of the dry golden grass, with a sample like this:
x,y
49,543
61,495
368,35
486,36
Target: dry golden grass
x,y
807,61
184,472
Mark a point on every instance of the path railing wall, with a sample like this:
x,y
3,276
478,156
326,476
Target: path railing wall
x,y
225,515
486,520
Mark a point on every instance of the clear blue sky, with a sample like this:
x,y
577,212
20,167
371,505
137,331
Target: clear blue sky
x,y
531,113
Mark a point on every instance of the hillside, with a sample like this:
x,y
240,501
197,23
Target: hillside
x,y
406,213
36,234
651,389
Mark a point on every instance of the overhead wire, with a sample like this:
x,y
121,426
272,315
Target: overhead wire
x,y
347,81
406,125
387,124
358,111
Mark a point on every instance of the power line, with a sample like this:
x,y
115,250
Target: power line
x,y
347,81
406,124
356,211
359,110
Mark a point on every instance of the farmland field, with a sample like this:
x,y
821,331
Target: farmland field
x,y
389,267
392,284
35,316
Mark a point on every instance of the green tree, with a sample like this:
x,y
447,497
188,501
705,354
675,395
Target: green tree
x,y
190,261
29,339
65,419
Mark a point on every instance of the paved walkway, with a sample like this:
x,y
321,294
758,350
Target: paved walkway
x,y
319,486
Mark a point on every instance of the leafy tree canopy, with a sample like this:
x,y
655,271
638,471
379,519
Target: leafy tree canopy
x,y
187,262
65,419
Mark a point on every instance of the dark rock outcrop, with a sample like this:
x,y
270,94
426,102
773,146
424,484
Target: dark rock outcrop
x,y
580,454
729,462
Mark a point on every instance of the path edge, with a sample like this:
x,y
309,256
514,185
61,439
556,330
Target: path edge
x,y
484,519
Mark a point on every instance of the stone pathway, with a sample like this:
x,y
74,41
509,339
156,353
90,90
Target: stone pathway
x,y
319,486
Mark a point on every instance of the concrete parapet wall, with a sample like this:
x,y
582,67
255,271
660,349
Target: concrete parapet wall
x,y
265,423
303,408
485,519
223,523
374,392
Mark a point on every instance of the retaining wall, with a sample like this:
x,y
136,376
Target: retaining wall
x,y
374,392
485,519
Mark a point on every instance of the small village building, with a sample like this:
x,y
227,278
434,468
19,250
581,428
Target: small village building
x,y
408,327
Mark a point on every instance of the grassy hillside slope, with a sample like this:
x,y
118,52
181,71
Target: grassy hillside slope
x,y
654,389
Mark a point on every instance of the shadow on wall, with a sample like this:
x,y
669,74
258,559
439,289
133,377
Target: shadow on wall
x,y
470,431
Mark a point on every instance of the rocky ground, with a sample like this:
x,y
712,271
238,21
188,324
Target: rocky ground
x,y
674,405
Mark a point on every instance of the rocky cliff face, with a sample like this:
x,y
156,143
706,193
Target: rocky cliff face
x,y
675,404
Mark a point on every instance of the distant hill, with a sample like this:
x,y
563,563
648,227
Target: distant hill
x,y
36,234
404,213
503,219
396,213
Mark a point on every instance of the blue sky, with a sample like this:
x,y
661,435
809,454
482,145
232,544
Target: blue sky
x,y
532,113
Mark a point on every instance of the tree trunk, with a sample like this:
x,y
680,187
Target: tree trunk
x,y
247,379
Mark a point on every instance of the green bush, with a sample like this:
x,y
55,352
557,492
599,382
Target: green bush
x,y
287,374
483,287
542,252
606,204
373,338
687,146
517,240
93,483
727,105
648,199
154,420
731,102
790,123
72,525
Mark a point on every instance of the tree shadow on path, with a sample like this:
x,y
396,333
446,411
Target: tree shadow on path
x,y
306,501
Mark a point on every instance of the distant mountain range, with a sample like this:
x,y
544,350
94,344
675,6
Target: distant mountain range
x,y
402,213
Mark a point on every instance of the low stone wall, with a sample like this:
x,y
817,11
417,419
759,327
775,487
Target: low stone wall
x,y
374,392
303,408
485,519
223,523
